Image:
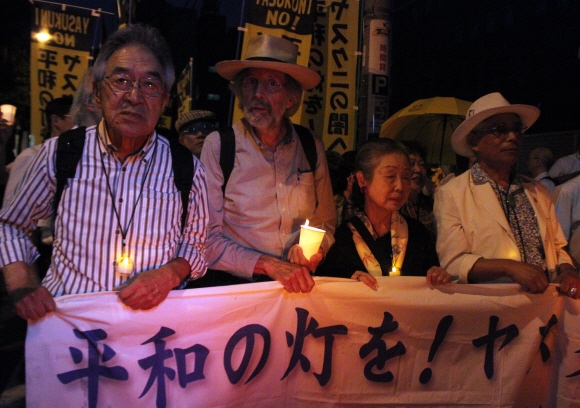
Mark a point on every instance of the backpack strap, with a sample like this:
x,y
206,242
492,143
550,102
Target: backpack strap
x,y
228,150
227,153
553,180
182,163
308,144
69,149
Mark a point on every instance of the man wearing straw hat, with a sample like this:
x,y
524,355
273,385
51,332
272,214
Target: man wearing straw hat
x,y
272,189
492,225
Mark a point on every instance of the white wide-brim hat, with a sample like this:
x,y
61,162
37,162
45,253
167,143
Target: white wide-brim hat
x,y
483,108
268,51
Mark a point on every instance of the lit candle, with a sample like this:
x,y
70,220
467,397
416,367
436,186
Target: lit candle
x,y
310,239
125,266
8,113
395,271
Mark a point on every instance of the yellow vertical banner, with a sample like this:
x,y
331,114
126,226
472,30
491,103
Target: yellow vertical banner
x,y
60,46
291,20
340,79
184,89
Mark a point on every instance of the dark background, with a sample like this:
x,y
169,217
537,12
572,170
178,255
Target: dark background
x,y
526,49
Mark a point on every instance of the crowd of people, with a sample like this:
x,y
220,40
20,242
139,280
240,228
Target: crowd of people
x,y
141,214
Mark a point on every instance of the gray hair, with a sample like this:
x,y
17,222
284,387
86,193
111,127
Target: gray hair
x,y
144,36
371,153
368,158
291,85
83,94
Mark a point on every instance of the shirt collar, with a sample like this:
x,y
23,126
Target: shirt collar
x,y
481,177
107,146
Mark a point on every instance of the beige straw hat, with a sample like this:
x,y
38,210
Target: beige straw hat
x,y
267,51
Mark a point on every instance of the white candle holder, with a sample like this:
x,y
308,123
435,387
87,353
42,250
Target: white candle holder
x,y
8,113
310,240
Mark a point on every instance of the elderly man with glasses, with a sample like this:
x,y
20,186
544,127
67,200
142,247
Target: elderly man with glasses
x,y
119,220
492,225
273,187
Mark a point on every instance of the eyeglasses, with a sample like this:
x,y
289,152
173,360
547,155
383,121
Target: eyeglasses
x,y
270,86
205,128
122,84
502,130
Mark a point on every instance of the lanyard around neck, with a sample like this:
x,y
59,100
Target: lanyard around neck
x,y
121,230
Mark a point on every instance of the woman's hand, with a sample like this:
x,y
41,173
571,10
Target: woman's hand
x,y
296,256
366,278
437,276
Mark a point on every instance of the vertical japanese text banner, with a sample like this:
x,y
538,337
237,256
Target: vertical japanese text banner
x,y
293,21
340,52
184,89
57,64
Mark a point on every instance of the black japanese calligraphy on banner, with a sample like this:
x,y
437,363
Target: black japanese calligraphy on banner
x,y
58,62
295,16
343,344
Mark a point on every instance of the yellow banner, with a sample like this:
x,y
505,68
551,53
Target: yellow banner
x,y
59,59
54,72
339,41
184,89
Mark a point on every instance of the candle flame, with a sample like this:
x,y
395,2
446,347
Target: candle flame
x,y
306,223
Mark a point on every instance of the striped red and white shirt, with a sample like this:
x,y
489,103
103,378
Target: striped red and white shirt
x,y
87,241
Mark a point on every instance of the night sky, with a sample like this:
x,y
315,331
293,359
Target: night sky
x,y
528,50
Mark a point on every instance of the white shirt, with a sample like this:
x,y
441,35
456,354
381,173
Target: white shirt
x,y
543,179
565,165
568,206
17,170
267,199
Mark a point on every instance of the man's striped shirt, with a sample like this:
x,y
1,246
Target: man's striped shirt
x,y
88,240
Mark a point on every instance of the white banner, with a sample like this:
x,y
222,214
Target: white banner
x,y
343,344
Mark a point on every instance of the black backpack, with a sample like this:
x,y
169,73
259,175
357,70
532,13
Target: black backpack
x,y
228,150
69,150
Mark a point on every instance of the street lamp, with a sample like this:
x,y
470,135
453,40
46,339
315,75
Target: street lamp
x,y
43,36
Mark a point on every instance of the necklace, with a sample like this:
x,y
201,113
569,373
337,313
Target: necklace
x,y
124,263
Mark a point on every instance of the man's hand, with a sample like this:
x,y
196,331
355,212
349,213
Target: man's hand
x,y
437,276
31,300
148,289
33,303
569,281
295,278
296,256
530,276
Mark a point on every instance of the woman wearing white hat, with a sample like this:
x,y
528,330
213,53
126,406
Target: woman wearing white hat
x,y
491,225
